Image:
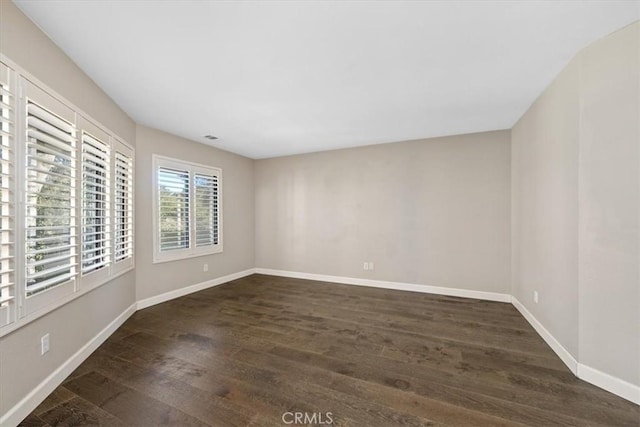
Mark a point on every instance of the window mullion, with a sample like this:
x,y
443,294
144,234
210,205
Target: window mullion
x,y
192,216
9,287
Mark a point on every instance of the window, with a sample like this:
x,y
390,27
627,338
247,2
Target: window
x,y
50,197
123,209
96,247
66,214
187,209
206,200
7,189
173,199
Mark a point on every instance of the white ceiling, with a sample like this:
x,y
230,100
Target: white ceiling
x,y
279,78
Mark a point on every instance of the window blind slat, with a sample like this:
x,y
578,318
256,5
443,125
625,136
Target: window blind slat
x,y
53,136
37,149
35,110
50,283
43,273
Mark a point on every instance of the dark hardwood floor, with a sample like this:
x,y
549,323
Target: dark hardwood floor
x,y
244,353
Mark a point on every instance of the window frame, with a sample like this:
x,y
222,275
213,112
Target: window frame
x,y
8,256
27,309
159,161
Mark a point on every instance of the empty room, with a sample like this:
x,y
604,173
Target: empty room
x,y
316,213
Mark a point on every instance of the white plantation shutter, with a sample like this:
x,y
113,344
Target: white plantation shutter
x,y
66,201
123,170
187,209
7,192
206,210
50,235
173,208
96,233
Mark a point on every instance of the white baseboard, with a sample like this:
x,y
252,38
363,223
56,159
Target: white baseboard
x,y
148,302
23,408
591,375
610,383
605,381
600,379
427,289
555,345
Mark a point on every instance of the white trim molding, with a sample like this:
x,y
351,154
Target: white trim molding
x,y
591,375
609,383
36,396
555,345
411,287
600,379
167,296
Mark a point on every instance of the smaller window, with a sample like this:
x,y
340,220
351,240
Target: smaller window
x,y
187,209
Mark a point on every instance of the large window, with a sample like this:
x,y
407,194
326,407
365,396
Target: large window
x,y
187,209
66,214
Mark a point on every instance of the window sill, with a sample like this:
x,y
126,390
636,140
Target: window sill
x,y
184,255
50,308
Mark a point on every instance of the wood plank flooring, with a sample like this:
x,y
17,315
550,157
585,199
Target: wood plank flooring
x,y
244,353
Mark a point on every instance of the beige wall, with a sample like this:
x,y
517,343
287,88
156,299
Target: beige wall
x,y
24,43
576,206
610,205
238,212
71,326
545,208
433,212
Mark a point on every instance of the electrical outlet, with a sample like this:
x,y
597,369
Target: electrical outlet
x,y
365,266
205,268
370,265
535,296
44,344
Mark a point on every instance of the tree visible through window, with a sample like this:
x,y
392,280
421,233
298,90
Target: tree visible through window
x,y
50,200
174,209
